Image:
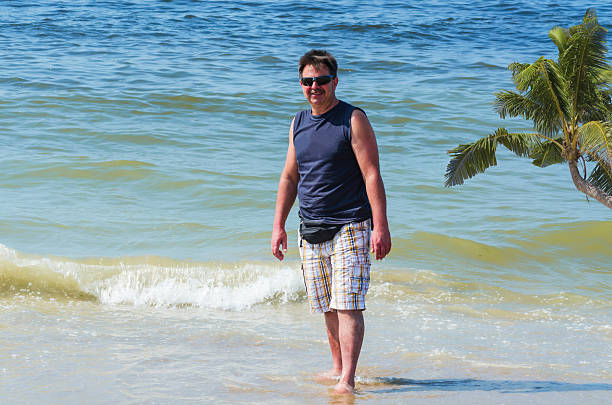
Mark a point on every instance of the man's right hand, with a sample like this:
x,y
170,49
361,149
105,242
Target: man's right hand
x,y
279,238
380,242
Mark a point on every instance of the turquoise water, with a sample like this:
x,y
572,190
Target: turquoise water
x,y
141,144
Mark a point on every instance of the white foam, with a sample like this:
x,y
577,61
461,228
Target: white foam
x,y
208,287
162,282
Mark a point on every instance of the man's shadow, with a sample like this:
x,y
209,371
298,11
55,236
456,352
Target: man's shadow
x,y
393,384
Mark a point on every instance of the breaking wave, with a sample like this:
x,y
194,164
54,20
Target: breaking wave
x,y
148,281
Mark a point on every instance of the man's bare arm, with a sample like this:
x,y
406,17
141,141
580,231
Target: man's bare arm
x,y
364,145
287,192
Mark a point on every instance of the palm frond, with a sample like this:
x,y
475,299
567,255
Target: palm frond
x,y
596,141
560,37
606,78
517,68
547,153
545,97
602,105
545,117
468,160
525,74
511,104
600,108
520,144
584,63
601,177
605,96
550,92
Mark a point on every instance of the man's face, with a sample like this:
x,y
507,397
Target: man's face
x,y
319,96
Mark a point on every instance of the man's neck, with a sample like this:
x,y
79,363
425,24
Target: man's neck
x,y
320,110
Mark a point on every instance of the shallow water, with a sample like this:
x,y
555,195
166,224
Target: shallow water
x,y
141,145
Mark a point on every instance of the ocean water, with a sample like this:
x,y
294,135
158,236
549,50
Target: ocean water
x,y
140,148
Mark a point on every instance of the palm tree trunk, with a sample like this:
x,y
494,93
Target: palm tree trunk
x,y
587,188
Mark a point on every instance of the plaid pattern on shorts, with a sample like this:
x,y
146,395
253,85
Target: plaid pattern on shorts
x,y
337,272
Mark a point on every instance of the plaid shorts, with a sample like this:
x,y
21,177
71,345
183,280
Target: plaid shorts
x,y
337,272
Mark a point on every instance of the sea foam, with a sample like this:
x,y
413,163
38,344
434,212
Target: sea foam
x,y
150,281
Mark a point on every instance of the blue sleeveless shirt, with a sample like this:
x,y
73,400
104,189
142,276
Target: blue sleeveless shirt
x,y
331,188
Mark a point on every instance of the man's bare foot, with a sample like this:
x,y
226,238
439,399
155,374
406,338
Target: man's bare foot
x,y
344,388
328,376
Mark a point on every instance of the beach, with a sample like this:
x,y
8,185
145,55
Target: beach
x,y
141,145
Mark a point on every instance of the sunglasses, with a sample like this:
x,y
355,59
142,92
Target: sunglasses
x,y
321,80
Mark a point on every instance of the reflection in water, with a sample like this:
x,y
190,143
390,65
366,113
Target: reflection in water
x,y
346,399
392,384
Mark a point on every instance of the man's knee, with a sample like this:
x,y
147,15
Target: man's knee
x,y
350,316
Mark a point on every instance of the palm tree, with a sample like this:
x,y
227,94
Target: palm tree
x,y
570,103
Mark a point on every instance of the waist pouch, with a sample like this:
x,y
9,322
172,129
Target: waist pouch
x,y
318,232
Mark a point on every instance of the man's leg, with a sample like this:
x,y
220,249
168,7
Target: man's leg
x,y
351,279
316,267
333,335
350,331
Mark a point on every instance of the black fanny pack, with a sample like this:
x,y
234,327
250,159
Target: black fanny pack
x,y
317,231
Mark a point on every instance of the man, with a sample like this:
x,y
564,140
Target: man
x,y
332,165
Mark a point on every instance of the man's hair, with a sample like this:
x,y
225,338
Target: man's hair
x,y
318,57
